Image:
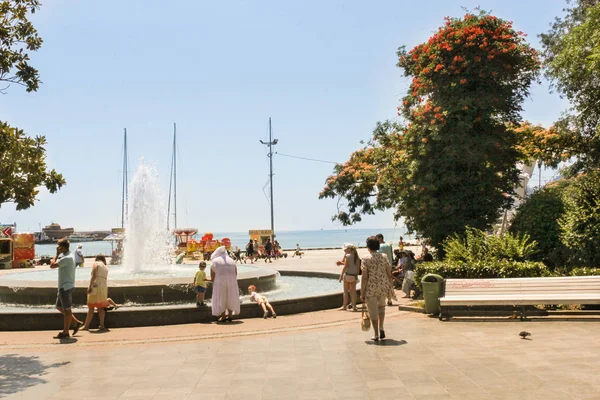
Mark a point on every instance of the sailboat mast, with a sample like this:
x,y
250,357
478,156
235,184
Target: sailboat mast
x,y
175,172
124,194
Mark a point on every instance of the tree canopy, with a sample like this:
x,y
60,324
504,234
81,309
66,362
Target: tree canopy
x,y
571,51
23,166
454,163
18,37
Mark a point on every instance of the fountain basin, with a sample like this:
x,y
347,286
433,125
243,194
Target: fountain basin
x,y
40,287
23,318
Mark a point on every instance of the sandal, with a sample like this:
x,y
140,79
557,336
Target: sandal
x,y
375,339
77,327
228,319
381,334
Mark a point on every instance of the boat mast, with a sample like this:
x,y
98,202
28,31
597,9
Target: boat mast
x,y
173,181
124,194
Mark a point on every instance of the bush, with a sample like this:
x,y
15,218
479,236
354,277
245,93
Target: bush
x,y
538,217
585,271
580,223
476,246
481,269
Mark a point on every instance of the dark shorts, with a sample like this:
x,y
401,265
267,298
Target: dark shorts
x,y
64,299
200,289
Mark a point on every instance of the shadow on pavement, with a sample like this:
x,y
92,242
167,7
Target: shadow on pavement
x,y
18,373
387,342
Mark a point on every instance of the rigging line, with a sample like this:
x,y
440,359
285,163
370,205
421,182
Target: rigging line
x,y
306,158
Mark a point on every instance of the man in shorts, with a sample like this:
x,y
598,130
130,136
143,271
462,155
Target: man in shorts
x,y
65,262
79,260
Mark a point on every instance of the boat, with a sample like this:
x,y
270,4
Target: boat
x,y
80,237
54,231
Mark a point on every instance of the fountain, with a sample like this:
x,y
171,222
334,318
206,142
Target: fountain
x,y
148,281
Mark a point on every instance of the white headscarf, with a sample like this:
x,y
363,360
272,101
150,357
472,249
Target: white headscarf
x,y
219,252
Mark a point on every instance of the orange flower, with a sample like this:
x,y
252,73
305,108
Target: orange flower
x,y
463,81
424,140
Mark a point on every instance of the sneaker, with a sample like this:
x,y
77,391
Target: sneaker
x,y
62,335
274,315
266,314
381,334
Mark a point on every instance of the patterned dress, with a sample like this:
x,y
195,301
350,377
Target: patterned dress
x,y
377,266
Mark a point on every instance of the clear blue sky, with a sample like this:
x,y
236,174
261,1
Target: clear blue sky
x,y
323,70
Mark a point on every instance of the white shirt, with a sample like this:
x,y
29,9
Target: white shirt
x,y
78,256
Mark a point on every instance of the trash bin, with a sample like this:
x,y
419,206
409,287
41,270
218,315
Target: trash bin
x,y
433,288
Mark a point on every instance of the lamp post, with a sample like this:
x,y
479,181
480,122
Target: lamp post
x,y
272,142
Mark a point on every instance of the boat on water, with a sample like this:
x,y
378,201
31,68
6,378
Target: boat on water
x,y
75,238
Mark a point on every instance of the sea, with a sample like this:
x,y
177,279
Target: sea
x,y
319,239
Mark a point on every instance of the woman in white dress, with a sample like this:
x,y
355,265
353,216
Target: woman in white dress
x,y
226,293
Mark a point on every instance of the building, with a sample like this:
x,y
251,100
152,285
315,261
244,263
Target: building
x,y
55,232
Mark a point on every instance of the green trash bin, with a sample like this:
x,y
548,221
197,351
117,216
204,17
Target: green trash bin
x,y
433,289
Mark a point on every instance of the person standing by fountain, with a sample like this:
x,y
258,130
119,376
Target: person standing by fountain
x,y
200,284
250,252
65,262
225,297
97,297
79,260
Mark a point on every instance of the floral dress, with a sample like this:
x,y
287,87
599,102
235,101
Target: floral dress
x,y
377,265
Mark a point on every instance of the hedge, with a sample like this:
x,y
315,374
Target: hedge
x,y
494,269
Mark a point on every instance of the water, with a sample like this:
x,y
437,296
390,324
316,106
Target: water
x,y
121,273
288,287
146,237
287,239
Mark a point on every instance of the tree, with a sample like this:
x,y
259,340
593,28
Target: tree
x,y
17,38
23,168
454,163
571,50
22,159
538,217
580,223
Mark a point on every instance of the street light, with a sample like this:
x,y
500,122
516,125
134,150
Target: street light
x,y
272,142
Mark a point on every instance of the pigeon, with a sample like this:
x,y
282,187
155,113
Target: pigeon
x,y
524,334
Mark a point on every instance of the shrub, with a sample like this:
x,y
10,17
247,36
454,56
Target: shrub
x,y
580,223
475,246
538,217
482,269
585,271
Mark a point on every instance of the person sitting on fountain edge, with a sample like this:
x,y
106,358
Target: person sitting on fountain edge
x,y
200,280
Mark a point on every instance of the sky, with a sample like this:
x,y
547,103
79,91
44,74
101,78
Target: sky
x,y
324,71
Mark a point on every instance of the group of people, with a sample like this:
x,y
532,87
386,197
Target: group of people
x,y
271,250
97,292
378,270
225,301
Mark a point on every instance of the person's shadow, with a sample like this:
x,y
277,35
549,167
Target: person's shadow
x,y
386,342
17,373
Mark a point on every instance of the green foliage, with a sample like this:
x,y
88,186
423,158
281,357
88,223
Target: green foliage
x,y
580,223
23,168
481,269
453,163
572,60
538,217
475,246
585,271
18,37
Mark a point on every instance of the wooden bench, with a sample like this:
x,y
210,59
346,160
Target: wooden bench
x,y
520,292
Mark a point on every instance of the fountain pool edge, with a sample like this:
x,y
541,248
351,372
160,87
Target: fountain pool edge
x,y
174,314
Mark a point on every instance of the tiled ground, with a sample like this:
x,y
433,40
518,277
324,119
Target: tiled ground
x,y
423,359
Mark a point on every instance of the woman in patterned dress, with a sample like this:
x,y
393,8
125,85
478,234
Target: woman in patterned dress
x,y
376,286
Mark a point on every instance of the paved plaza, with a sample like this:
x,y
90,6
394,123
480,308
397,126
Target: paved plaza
x,y
321,355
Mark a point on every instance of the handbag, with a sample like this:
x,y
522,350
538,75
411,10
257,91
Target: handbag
x,y
365,322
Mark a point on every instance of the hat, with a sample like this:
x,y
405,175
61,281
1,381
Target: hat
x,y
79,246
347,246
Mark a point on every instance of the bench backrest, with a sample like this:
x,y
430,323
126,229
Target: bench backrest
x,y
500,286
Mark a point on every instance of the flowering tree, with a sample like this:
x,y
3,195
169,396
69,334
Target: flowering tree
x,y
454,163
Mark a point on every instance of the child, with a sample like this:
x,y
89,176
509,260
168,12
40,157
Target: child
x,y
298,251
200,280
262,301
